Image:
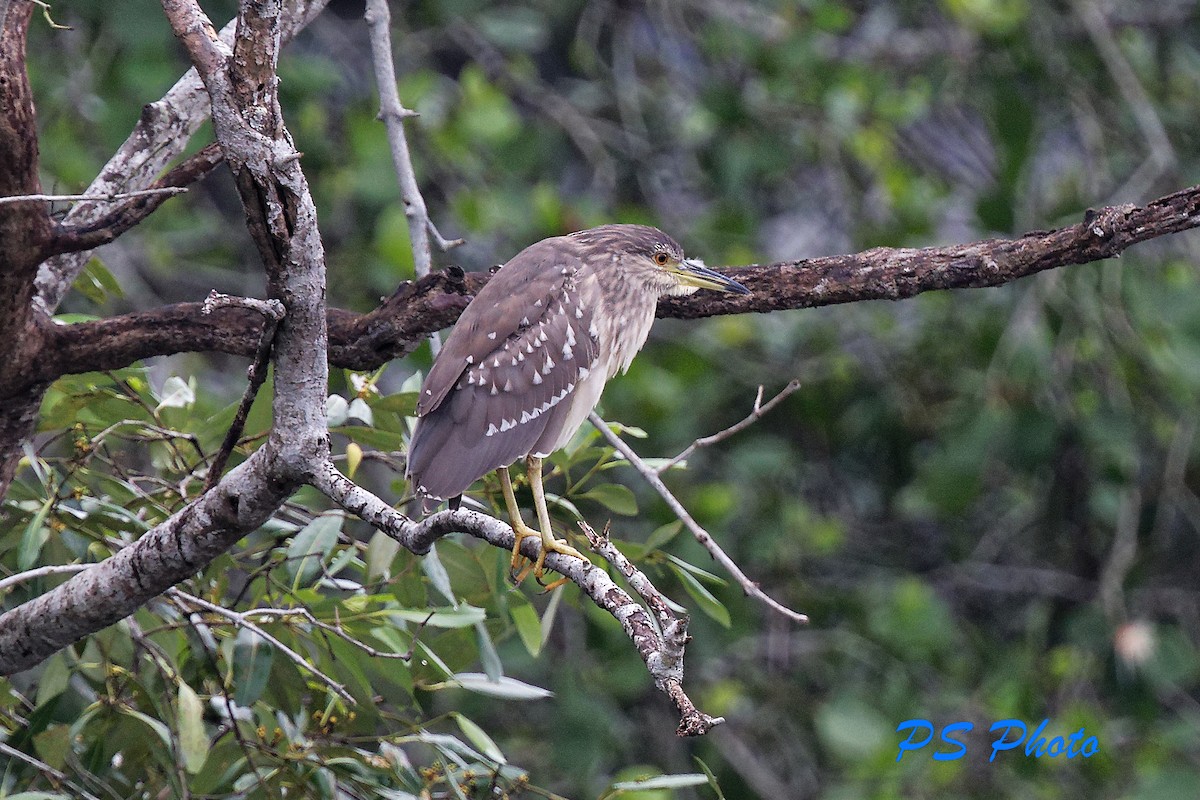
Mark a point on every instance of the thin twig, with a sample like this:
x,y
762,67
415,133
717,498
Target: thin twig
x,y
242,620
702,536
91,198
336,630
41,572
272,312
50,771
760,408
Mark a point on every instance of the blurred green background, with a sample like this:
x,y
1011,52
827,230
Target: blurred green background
x,y
987,501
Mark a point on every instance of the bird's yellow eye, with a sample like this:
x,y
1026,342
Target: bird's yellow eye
x,y
661,259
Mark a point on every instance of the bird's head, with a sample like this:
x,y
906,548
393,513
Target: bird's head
x,y
653,258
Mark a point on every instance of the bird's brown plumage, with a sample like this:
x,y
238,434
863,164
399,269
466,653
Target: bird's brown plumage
x,y
528,359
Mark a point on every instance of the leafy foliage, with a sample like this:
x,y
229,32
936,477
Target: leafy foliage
x,y
948,496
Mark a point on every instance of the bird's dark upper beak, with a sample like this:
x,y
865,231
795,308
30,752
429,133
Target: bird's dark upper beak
x,y
693,273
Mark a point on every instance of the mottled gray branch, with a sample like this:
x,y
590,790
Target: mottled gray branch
x,y
663,655
160,136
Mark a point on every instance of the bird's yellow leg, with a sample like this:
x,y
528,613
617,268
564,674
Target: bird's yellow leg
x,y
520,529
533,468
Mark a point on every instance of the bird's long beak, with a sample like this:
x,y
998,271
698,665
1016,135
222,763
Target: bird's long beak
x,y
692,272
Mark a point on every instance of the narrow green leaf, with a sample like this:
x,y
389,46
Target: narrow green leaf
x,y
252,657
193,742
381,552
663,782
480,739
615,497
158,726
702,574
402,403
462,617
663,534
33,537
529,626
437,575
712,779
508,688
310,547
710,605
488,656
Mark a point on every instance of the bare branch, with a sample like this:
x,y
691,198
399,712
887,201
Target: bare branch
x,y
110,198
393,113
702,536
663,655
418,308
41,572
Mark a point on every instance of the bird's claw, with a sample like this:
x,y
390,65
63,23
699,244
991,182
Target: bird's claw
x,y
538,566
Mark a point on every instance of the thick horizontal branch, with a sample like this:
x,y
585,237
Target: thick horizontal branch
x,y
418,308
885,273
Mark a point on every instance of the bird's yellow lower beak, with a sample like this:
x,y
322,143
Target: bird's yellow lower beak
x,y
692,272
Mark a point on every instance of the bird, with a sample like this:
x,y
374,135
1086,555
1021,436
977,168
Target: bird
x,y
529,357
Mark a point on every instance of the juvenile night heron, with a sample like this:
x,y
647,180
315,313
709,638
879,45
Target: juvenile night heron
x,y
529,358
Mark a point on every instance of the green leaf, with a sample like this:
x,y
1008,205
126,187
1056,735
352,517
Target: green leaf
x,y
615,497
388,441
54,679
252,657
490,659
463,616
712,779
402,403
53,745
481,740
710,605
663,782
158,726
663,534
529,626
34,536
96,283
507,688
381,552
193,742
437,575
311,546
702,574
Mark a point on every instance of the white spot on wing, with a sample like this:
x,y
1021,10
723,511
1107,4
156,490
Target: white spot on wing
x,y
491,431
492,335
537,377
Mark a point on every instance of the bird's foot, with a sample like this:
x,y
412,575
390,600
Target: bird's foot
x,y
522,533
552,545
538,566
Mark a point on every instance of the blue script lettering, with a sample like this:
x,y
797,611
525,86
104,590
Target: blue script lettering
x,y
1036,745
913,724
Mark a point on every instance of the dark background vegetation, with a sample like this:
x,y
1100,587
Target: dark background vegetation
x,y
985,500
